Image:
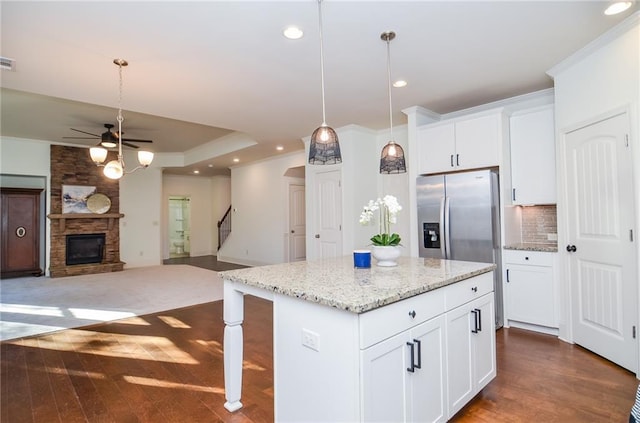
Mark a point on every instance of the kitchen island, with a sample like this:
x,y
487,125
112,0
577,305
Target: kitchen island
x,y
414,342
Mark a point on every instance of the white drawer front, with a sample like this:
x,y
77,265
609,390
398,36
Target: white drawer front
x,y
534,258
384,322
470,289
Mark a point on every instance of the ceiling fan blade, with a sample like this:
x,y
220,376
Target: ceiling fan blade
x,y
134,140
84,132
79,138
129,145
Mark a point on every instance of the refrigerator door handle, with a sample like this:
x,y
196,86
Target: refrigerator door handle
x,y
443,236
447,229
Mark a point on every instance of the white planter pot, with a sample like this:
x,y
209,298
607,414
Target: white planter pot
x,y
386,255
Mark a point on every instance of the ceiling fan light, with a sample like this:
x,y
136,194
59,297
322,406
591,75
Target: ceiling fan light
x,y
98,154
145,158
113,170
108,144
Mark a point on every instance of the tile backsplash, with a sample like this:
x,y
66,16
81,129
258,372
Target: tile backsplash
x,y
538,222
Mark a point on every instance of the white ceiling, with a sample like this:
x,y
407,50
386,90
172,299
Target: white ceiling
x,y
200,70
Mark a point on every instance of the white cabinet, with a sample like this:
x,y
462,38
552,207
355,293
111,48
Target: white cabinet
x,y
530,289
533,156
388,364
464,143
430,370
471,360
404,376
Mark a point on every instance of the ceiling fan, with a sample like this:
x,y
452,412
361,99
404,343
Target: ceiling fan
x,y
108,139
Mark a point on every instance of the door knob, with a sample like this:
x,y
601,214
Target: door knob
x,y
292,231
317,235
571,248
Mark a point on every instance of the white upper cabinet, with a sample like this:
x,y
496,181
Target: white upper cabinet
x,y
533,157
470,142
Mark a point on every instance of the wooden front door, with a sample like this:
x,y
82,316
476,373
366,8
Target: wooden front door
x,y
20,210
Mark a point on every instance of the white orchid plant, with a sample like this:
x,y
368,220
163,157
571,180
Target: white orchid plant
x,y
388,207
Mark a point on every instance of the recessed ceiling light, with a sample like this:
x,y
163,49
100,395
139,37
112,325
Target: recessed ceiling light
x,y
400,83
236,160
617,7
293,33
209,165
196,171
279,148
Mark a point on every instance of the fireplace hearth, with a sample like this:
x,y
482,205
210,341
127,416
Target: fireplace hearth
x,y
85,248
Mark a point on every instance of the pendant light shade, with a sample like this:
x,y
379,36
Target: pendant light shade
x,y
392,159
392,156
324,147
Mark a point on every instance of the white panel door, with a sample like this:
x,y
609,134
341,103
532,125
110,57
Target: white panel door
x,y
329,195
297,223
603,269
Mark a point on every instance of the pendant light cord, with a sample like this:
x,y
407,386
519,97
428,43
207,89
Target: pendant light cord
x,y
324,119
389,80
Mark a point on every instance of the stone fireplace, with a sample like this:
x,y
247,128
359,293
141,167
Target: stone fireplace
x,y
73,166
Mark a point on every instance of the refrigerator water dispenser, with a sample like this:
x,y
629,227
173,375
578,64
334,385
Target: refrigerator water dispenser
x,y
431,234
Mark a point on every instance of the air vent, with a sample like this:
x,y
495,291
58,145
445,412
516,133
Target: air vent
x,y
7,64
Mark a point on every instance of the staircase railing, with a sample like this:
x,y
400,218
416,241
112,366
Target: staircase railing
x,y
224,227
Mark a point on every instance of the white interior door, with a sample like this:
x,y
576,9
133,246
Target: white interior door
x,y
329,225
602,267
297,223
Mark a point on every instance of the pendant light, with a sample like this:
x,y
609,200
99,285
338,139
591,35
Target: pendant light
x,y
324,147
392,157
115,169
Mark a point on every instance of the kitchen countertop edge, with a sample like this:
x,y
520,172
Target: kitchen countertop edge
x,y
545,248
357,298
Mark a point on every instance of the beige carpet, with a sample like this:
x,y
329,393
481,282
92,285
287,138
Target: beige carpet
x,y
31,306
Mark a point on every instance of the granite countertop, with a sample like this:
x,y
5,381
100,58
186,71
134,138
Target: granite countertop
x,y
547,248
336,283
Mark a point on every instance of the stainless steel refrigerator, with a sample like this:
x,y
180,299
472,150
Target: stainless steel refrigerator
x,y
459,219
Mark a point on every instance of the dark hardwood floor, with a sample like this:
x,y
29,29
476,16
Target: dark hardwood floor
x,y
167,367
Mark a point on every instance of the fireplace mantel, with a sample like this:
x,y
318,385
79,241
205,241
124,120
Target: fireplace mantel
x,y
62,218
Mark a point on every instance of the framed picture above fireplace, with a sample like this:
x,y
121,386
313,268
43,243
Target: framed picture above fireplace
x,y
74,198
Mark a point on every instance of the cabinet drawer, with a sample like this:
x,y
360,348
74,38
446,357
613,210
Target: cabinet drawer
x,y
533,258
462,292
382,323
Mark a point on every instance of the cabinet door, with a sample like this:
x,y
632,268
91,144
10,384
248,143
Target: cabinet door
x,y
384,380
533,157
471,358
478,142
530,294
484,342
436,149
428,384
459,358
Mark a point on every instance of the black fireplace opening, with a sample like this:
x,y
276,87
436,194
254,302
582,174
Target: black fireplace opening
x,y
85,248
